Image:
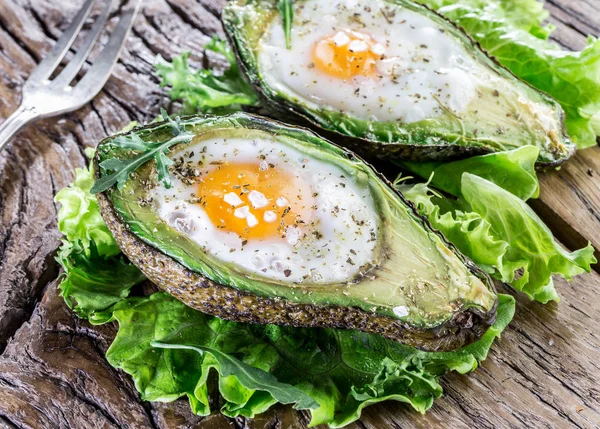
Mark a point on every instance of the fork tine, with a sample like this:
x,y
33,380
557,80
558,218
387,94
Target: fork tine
x,y
98,74
70,71
45,68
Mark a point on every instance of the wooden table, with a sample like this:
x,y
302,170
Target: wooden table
x,y
544,372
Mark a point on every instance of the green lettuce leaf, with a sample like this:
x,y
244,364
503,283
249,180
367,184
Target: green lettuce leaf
x,y
169,349
512,32
467,230
501,234
512,170
532,248
204,90
89,282
96,274
79,217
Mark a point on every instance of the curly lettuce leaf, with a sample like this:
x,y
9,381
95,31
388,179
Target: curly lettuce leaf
x,y
467,230
169,349
512,170
532,249
96,274
91,282
204,90
513,32
501,234
79,217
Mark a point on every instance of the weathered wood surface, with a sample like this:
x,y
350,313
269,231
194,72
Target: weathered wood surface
x,y
543,373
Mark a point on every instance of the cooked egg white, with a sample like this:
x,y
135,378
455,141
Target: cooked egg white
x,y
270,210
368,59
376,62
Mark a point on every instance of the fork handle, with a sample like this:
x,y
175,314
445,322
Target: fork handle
x,y
21,117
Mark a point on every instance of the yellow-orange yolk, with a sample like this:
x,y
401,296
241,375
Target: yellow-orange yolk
x,y
255,200
347,54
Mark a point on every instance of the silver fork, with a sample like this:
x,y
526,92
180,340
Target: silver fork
x,y
43,97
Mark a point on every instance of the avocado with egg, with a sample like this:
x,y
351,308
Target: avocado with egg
x,y
392,79
268,223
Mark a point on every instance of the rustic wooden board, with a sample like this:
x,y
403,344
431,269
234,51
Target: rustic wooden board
x,y
543,372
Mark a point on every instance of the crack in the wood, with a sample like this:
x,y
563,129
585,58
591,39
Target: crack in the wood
x,y
29,51
41,23
72,390
94,339
560,43
184,16
570,25
151,20
4,418
582,19
552,374
543,348
147,44
100,118
133,112
214,12
477,420
538,395
47,273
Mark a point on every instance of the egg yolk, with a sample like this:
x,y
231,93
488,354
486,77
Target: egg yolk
x,y
255,201
347,54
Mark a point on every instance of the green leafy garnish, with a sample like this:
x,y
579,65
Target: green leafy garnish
x,y
169,349
121,169
205,90
88,284
79,216
499,231
286,8
513,170
89,256
513,32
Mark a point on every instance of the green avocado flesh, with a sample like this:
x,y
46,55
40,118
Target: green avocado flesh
x,y
432,94
411,276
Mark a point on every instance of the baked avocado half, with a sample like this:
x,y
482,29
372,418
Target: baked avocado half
x,y
268,223
392,78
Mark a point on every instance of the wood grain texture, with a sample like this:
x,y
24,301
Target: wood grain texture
x,y
570,198
542,373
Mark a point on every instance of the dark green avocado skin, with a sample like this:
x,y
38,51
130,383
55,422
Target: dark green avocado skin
x,y
203,294
398,143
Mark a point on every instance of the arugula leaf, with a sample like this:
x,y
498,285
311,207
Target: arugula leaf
x,y
512,32
512,170
169,350
121,169
204,90
286,8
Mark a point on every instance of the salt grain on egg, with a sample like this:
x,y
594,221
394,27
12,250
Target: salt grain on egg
x,y
257,199
341,39
251,220
242,212
270,216
281,202
358,46
378,49
232,199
